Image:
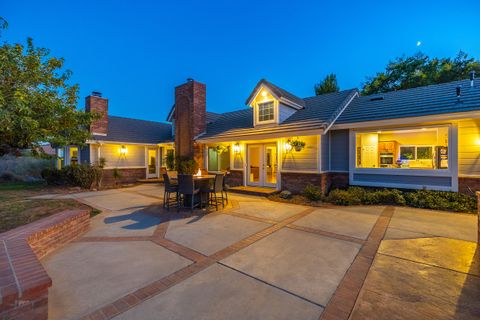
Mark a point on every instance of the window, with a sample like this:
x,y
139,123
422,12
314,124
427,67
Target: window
x,y
417,148
265,111
73,155
218,161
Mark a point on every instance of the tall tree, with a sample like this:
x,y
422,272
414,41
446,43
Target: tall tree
x,y
327,85
420,70
37,104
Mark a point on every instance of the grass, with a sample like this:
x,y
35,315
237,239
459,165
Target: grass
x,y
17,209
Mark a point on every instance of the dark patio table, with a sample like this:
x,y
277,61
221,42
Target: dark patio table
x,y
203,183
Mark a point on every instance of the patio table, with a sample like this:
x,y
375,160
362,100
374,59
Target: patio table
x,y
203,183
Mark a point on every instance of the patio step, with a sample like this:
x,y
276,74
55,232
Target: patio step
x,y
154,180
254,191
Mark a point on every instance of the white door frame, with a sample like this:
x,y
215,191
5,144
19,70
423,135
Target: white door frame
x,y
262,165
152,175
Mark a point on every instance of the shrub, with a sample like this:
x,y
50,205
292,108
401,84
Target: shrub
x,y
53,176
343,197
186,165
384,196
22,169
441,200
313,193
82,175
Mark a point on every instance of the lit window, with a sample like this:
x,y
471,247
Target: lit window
x,y
265,111
73,155
418,148
218,161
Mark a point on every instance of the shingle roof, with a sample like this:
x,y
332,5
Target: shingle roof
x,y
136,131
279,92
314,115
421,101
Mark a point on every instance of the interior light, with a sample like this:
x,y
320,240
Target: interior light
x,y
123,150
477,142
424,129
236,148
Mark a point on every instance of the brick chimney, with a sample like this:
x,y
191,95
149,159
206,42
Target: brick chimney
x,y
95,103
190,118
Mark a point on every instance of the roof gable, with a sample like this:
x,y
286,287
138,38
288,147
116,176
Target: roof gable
x,y
280,94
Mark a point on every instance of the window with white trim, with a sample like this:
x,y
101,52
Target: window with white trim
x,y
266,111
412,148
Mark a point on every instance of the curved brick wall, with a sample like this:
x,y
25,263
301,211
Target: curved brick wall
x,y
24,282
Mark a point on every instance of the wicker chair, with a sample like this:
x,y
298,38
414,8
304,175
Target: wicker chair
x,y
186,188
170,189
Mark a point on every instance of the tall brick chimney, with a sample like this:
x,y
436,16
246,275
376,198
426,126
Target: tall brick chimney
x,y
190,118
95,103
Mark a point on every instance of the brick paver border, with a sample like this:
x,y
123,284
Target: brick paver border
x,y
343,300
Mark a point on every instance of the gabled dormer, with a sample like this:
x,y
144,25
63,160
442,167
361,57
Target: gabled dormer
x,y
271,104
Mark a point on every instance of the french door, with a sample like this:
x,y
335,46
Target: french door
x,y
152,167
262,165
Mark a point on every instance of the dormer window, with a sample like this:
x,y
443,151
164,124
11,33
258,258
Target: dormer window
x,y
266,111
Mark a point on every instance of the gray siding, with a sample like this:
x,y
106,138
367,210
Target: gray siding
x,y
429,182
339,140
305,160
284,112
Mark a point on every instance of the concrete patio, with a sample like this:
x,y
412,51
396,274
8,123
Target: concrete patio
x,y
258,259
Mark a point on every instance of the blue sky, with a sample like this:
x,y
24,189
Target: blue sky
x,y
136,52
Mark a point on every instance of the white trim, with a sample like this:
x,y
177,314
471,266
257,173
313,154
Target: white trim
x,y
273,135
99,134
127,143
256,111
290,103
408,120
319,154
301,171
341,111
451,172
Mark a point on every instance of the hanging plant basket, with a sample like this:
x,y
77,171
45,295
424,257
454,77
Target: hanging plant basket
x,y
221,149
297,144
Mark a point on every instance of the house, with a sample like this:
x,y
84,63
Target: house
x,y
426,137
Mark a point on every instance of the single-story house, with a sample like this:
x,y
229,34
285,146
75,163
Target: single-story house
x,y
426,137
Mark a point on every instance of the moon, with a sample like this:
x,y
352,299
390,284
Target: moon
x,y
419,43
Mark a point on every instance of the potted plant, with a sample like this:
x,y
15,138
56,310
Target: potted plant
x,y
297,144
170,161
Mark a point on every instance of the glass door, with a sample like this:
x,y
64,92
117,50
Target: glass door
x,y
270,165
152,163
254,165
262,165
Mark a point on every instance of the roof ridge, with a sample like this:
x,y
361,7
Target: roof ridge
x,y
156,122
330,93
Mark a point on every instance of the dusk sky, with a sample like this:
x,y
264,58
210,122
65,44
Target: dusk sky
x,y
136,52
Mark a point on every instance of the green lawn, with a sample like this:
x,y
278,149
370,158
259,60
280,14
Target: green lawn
x,y
16,207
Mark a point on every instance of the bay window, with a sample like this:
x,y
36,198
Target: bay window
x,y
412,148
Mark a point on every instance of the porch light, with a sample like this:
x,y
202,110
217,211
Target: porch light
x,y
287,146
123,150
236,148
199,173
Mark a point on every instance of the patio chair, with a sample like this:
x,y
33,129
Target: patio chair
x,y
186,188
217,188
170,189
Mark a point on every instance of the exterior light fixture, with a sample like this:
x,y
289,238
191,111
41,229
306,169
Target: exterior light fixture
x,y
236,148
264,93
123,150
287,146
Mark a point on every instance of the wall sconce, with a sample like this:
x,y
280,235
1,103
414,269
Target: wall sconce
x,y
123,151
236,148
287,146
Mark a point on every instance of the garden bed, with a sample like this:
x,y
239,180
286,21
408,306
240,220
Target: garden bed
x,y
424,199
17,209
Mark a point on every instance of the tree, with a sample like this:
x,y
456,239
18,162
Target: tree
x,y
419,70
36,102
327,85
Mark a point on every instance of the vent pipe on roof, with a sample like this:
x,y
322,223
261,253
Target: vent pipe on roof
x,y
459,93
472,77
96,94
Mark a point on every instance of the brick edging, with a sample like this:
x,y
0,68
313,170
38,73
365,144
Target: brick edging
x,y
24,282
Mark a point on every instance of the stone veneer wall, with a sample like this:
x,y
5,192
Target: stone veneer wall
x,y
24,282
128,176
296,182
